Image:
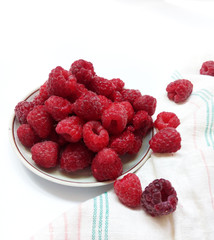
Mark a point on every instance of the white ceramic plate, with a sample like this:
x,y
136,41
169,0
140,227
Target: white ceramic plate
x,y
81,178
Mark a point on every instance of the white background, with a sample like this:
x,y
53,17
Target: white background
x,y
141,42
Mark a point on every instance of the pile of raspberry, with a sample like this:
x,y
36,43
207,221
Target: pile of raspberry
x,y
79,120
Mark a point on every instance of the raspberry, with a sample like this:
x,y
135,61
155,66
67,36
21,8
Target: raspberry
x,y
26,135
106,165
130,95
79,91
75,156
118,83
114,118
129,190
166,119
129,109
116,96
70,128
102,86
122,143
42,96
95,136
58,107
61,82
142,120
167,140
88,107
137,144
146,103
159,198
40,120
105,102
179,90
22,109
45,154
207,68
83,71
54,137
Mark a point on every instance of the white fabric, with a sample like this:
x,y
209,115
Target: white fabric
x,y
190,170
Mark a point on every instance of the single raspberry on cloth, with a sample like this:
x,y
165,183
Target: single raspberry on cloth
x,y
146,103
22,109
167,140
40,120
129,190
207,68
70,128
61,82
166,119
106,165
58,107
159,198
75,156
45,154
179,90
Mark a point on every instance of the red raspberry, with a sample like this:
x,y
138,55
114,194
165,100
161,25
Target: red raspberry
x,y
166,119
167,140
207,68
106,165
70,128
105,102
54,137
95,136
159,198
123,142
80,91
42,96
22,109
116,96
137,144
114,118
129,190
146,103
27,136
88,107
75,156
83,71
118,83
129,109
40,120
58,107
102,86
61,82
179,90
130,95
45,154
142,120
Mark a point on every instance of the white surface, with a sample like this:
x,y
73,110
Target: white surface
x,y
141,42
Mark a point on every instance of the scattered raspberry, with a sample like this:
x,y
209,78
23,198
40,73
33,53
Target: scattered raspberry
x,y
166,119
75,156
95,136
123,142
88,107
114,118
146,103
22,109
40,120
130,95
102,86
83,71
118,83
137,144
70,128
129,109
129,190
167,140
26,135
58,107
42,96
61,82
179,90
106,165
159,198
45,154
142,120
207,68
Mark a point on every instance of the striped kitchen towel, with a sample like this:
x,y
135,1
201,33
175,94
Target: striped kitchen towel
x,y
190,170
